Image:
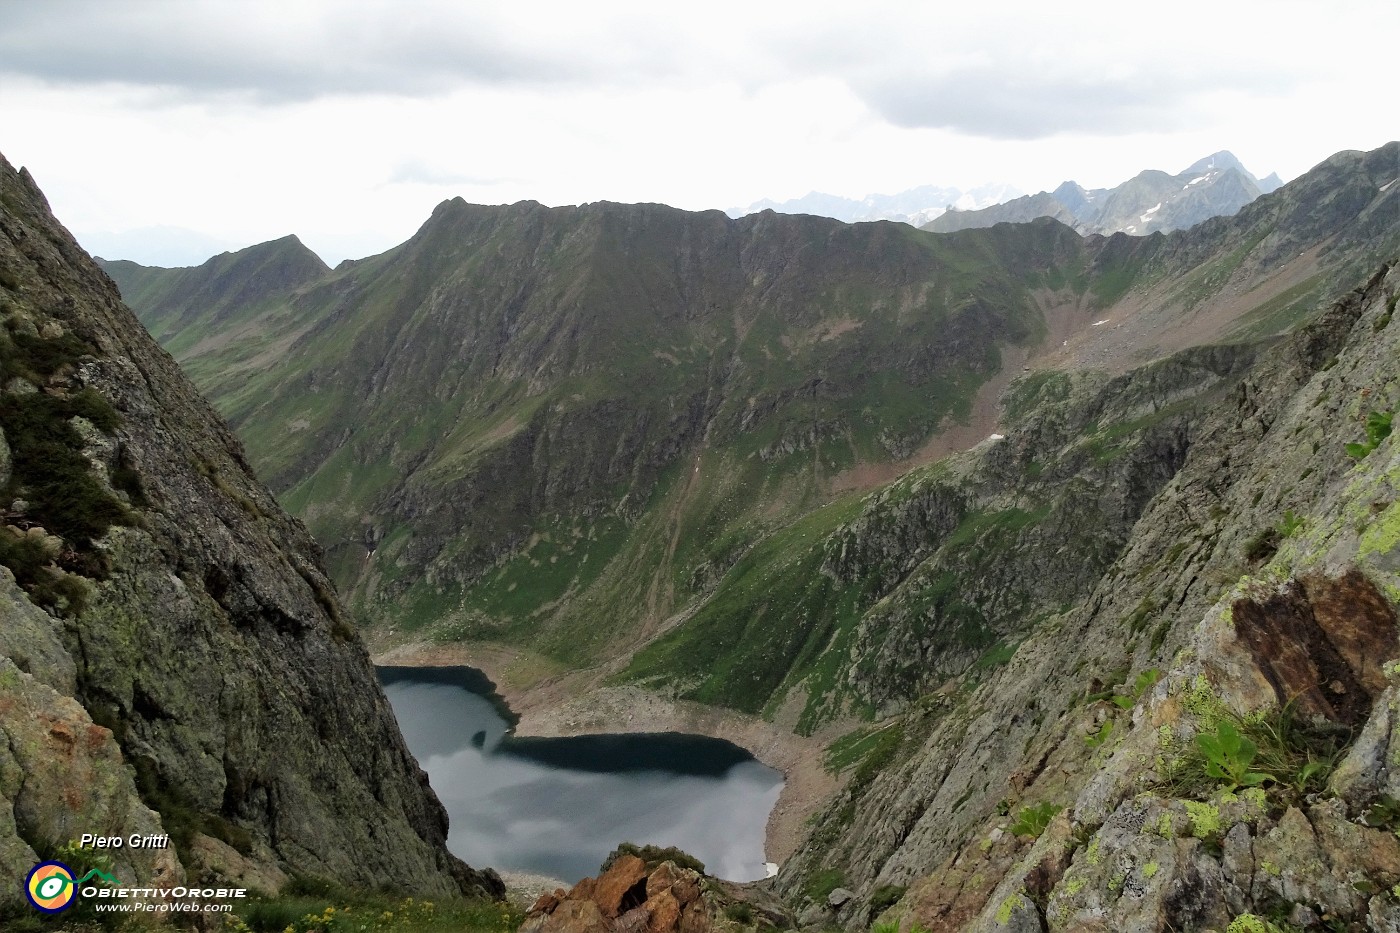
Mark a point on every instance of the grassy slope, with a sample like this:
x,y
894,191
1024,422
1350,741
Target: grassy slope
x,y
558,428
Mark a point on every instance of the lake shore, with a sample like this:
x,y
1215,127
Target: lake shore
x,y
575,703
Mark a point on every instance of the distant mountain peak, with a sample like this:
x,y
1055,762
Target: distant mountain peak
x,y
1151,201
1216,161
915,206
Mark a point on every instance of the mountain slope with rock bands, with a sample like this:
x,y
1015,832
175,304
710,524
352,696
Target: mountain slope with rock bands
x,y
588,431
1176,542
172,656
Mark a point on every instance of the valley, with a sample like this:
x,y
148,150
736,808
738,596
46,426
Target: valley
x,y
603,435
1057,573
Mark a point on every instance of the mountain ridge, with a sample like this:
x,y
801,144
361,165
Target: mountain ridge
x,y
717,357
1149,202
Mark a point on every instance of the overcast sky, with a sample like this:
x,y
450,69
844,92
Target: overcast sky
x,y
168,131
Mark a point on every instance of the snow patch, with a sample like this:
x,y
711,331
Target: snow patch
x,y
1142,218
1386,187
1104,321
1200,178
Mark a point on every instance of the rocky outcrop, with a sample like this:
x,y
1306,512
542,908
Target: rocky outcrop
x,y
172,656
631,896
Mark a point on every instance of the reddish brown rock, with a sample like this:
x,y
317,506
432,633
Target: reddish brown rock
x,y
544,904
568,917
665,912
628,899
636,920
1321,643
683,883
613,886
695,918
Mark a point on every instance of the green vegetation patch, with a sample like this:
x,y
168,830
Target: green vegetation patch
x,y
977,526
1031,391
821,883
1276,750
767,624
1284,311
344,911
1032,821
857,746
49,472
653,856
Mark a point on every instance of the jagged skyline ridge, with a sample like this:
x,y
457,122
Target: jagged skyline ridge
x,y
243,122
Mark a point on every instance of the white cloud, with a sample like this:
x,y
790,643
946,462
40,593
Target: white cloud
x,y
346,123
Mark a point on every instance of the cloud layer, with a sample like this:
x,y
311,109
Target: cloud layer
x,y
1024,75
345,122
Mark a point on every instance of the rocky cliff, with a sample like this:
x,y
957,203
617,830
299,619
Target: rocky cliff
x,y
172,656
1202,737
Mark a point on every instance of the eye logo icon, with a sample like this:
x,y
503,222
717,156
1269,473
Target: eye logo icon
x,y
50,887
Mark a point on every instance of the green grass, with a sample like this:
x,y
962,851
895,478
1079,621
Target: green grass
x,y
1110,442
1032,390
1115,277
995,656
772,614
1283,312
977,525
369,912
854,747
821,883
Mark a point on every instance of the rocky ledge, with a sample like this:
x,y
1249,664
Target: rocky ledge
x,y
634,894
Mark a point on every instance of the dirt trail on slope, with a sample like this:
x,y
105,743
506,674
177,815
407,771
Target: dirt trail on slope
x,y
1065,317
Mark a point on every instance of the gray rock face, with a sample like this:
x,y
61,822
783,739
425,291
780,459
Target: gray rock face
x,y
963,556
1228,623
212,684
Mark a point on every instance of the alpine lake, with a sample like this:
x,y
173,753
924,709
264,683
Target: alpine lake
x,y
558,806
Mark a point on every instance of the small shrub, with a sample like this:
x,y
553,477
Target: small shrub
x,y
1292,756
654,856
740,912
1378,426
1252,923
1031,821
885,897
1289,524
1159,635
1262,546
83,914
1383,814
821,883
1229,756
1144,682
1097,739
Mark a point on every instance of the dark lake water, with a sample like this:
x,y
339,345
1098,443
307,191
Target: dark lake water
x,y
559,806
